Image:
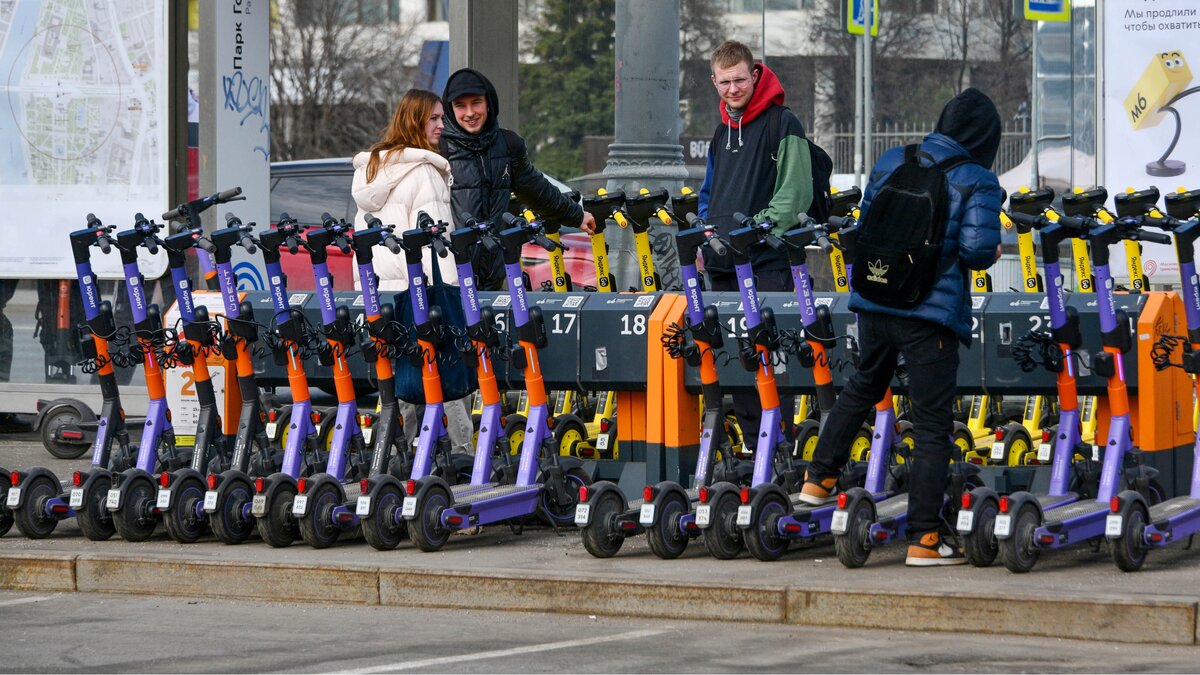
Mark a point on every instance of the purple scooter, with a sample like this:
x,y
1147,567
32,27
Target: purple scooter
x,y
1022,529
1134,526
431,505
35,498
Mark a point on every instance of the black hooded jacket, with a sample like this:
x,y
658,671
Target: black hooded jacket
x,y
490,165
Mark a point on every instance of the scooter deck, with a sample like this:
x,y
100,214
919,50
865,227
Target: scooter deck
x,y
1055,501
497,491
892,507
1172,507
1076,510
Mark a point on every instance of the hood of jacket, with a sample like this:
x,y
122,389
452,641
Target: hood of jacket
x,y
972,119
393,168
767,92
467,80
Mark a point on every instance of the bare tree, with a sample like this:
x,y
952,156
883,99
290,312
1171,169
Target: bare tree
x,y
337,70
701,29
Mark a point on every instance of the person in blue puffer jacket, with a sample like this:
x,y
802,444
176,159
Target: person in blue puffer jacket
x,y
927,335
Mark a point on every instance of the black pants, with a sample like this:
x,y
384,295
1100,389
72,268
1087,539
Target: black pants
x,y
746,405
931,359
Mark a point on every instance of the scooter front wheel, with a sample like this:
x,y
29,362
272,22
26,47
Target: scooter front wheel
x,y
316,526
854,545
722,538
184,520
31,517
1018,552
762,538
1128,551
426,530
384,529
664,536
277,527
600,536
227,521
93,517
135,519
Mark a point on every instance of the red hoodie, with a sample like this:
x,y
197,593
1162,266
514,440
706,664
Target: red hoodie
x,y
768,91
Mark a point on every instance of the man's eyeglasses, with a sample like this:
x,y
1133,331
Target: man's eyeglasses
x,y
738,83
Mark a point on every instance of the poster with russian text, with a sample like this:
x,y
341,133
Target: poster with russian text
x,y
1151,109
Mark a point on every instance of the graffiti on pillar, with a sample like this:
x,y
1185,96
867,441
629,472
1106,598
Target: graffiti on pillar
x,y
250,99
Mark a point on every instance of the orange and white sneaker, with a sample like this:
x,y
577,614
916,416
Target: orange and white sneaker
x,y
931,551
819,492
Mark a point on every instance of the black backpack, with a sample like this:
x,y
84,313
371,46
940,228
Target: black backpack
x,y
822,167
900,238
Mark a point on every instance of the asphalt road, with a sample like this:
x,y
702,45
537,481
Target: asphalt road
x,y
114,633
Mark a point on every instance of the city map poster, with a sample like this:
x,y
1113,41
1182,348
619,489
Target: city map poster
x,y
83,128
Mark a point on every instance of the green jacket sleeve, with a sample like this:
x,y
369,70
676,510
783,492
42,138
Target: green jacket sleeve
x,y
793,184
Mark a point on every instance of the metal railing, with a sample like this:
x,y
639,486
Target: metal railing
x,y
1014,144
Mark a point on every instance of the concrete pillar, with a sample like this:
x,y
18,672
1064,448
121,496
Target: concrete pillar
x,y
483,36
647,151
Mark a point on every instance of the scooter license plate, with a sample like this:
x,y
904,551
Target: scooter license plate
x,y
840,520
1095,453
210,501
997,451
703,515
1003,527
743,516
114,499
1113,525
271,428
76,498
409,509
583,512
966,521
300,505
164,498
258,507
1044,452
363,508
602,442
646,517
14,497
368,434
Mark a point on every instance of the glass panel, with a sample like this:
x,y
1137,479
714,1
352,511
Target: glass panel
x,y
306,196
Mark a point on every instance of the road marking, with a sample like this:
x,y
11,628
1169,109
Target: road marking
x,y
22,601
501,653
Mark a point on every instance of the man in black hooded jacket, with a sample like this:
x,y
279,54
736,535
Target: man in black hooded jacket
x,y
489,164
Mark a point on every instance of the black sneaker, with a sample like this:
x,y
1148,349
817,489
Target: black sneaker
x,y
931,551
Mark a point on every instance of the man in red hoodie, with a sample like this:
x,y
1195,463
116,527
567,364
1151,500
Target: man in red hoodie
x,y
759,164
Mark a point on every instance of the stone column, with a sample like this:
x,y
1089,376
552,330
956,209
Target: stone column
x,y
647,151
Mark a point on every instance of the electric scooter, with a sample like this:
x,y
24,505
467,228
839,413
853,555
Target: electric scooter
x,y
666,511
1134,526
431,505
723,521
35,499
1022,528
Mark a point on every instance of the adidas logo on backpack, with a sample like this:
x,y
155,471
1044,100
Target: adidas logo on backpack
x,y
878,272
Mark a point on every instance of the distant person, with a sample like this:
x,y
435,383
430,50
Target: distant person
x,y
399,176
490,164
9,422
926,335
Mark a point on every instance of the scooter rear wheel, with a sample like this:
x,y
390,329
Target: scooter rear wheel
x,y
722,537
135,520
30,516
93,517
980,547
1127,550
1018,552
384,529
227,522
664,537
316,526
854,545
49,428
6,516
426,529
762,538
277,527
183,524
564,514
600,536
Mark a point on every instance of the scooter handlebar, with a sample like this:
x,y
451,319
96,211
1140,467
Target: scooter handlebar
x,y
227,196
1152,237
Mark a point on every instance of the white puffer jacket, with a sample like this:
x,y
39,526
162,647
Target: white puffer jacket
x,y
407,182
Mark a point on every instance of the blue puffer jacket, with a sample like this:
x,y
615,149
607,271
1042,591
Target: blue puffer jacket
x,y
972,234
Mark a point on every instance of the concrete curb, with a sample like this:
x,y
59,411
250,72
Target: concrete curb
x,y
1154,620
